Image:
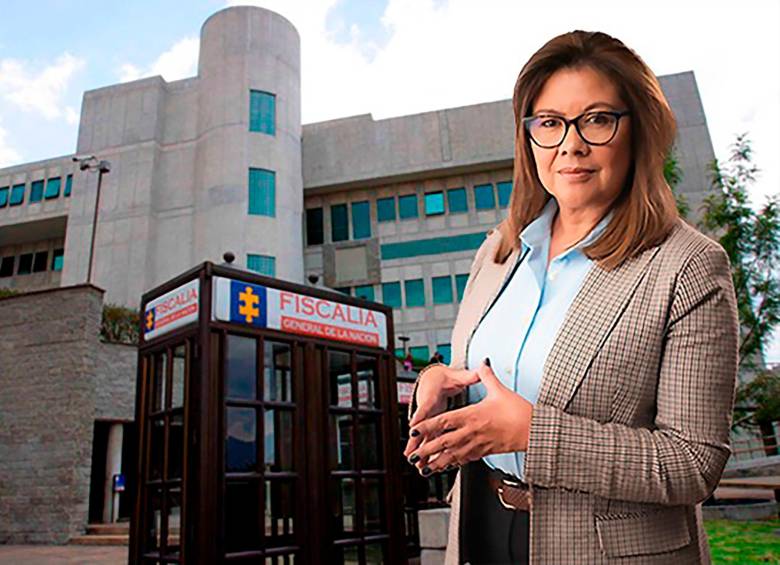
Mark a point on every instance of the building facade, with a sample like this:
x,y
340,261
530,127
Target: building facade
x,y
391,210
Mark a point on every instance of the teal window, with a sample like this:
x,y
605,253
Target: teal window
x,y
68,185
432,246
3,196
504,192
263,264
343,290
262,112
399,351
339,222
365,291
262,192
442,290
385,209
434,203
25,264
484,197
446,351
314,229
361,220
17,195
407,206
456,200
53,188
391,294
420,352
36,191
415,293
57,259
460,285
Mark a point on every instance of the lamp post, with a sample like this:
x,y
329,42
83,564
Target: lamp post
x,y
404,340
93,164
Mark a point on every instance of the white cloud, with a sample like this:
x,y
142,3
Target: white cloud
x,y
8,155
180,61
442,54
40,91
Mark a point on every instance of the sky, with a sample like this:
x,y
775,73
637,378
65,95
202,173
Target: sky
x,y
389,58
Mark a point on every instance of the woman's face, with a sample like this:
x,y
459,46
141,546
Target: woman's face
x,y
569,93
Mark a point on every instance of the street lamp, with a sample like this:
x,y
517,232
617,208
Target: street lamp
x,y
93,164
403,339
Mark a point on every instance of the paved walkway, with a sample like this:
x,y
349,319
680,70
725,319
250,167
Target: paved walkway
x,y
61,555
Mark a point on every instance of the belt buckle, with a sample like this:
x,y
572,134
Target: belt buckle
x,y
500,492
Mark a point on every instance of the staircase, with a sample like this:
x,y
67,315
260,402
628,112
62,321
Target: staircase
x,y
104,534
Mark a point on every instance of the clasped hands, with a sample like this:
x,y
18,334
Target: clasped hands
x,y
439,439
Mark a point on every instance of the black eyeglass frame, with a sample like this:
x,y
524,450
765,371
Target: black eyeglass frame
x,y
576,121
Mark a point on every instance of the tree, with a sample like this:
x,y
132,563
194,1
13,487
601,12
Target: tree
x,y
751,239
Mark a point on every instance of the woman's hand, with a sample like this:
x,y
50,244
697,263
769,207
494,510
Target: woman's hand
x,y
437,385
499,423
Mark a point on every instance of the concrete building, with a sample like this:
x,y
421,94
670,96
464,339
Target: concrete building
x,y
391,210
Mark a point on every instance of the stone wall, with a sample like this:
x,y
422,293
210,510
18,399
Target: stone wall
x,y
56,378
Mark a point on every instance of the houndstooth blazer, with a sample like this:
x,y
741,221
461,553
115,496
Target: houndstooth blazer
x,y
631,428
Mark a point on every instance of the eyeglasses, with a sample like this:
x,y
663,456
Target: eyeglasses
x,y
595,128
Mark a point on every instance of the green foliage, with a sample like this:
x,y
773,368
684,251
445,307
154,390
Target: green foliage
x,y
673,175
752,241
120,325
743,543
4,292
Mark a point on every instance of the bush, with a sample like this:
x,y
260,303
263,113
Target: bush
x,y
120,325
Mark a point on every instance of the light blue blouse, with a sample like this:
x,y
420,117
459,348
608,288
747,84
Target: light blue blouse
x,y
519,330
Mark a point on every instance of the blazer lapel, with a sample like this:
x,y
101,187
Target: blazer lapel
x,y
592,316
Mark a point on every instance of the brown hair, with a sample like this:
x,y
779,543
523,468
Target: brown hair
x,y
645,211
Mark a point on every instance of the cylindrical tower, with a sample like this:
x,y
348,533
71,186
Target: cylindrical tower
x,y
248,175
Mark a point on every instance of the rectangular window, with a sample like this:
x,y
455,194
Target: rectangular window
x,y
460,285
53,188
57,259
399,352
343,290
262,192
25,264
391,294
314,230
432,246
407,206
365,291
415,293
36,191
68,185
263,264
434,203
17,195
484,197
504,192
7,266
361,220
456,200
442,290
446,351
3,196
339,222
420,352
40,261
385,209
262,112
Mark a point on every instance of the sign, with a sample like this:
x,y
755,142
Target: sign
x,y
405,391
267,307
172,310
119,483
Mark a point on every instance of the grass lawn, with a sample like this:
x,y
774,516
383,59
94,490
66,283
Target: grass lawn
x,y
744,543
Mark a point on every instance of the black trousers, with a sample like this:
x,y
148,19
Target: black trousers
x,y
489,533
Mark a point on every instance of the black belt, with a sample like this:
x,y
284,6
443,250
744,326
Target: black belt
x,y
512,493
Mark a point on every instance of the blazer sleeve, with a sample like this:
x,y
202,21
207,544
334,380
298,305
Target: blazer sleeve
x,y
680,461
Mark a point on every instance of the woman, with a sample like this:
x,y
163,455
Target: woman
x,y
596,343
